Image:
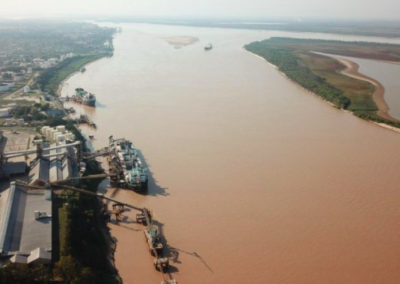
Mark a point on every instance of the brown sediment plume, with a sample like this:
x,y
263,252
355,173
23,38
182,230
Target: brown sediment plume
x,y
255,180
379,92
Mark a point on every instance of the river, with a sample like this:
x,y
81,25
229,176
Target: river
x,y
254,179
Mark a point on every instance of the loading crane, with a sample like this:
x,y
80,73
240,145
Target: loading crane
x,y
145,217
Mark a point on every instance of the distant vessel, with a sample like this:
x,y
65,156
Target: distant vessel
x,y
85,97
83,69
208,47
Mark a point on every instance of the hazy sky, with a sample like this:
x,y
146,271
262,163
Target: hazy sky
x,y
358,9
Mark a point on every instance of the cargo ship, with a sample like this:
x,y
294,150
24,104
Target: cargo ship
x,y
85,97
135,174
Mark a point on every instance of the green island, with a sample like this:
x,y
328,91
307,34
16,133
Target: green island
x,y
298,60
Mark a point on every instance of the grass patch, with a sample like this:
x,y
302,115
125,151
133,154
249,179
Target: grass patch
x,y
358,91
50,79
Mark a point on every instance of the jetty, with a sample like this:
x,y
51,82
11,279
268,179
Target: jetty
x,y
84,119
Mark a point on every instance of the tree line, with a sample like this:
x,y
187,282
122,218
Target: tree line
x,y
287,62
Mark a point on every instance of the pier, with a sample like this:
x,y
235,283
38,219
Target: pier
x,y
84,119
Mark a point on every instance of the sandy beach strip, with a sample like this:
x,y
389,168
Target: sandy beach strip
x,y
352,71
181,41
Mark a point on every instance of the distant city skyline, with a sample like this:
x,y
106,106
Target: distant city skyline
x,y
272,9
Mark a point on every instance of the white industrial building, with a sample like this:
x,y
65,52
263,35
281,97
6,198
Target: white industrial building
x,y
26,214
57,134
24,234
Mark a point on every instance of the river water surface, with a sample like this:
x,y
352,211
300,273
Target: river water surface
x,y
254,179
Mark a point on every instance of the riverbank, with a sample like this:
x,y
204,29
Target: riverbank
x,y
336,81
76,70
51,79
352,70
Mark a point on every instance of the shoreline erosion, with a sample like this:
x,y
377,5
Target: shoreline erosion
x,y
351,71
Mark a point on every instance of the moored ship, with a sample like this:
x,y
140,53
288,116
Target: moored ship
x,y
135,174
85,97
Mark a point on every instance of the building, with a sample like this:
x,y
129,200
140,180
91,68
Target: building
x,y
27,89
4,87
13,122
25,224
4,112
18,77
10,84
26,214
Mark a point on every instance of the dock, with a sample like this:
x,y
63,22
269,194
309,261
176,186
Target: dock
x,y
84,119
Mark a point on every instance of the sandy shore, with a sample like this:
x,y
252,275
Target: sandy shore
x,y
378,95
352,71
181,41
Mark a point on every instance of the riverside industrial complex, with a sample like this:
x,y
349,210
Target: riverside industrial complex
x,y
26,215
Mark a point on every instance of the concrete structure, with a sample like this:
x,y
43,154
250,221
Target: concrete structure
x,y
25,214
20,121
12,122
9,122
12,106
58,134
20,233
61,128
10,84
4,87
4,112
18,77
27,89
13,169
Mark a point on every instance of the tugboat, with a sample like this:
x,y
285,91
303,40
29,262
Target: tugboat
x,y
85,97
208,47
83,69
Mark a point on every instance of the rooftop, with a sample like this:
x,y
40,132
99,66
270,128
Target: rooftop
x,y
22,233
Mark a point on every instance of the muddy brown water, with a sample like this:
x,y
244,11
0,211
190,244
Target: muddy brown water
x,y
254,179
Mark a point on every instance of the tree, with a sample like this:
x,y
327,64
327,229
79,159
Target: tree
x,y
67,269
86,276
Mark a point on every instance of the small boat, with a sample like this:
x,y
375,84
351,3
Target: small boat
x,y
91,136
208,47
83,69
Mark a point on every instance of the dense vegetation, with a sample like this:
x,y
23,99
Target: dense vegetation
x,y
31,113
288,63
50,79
14,273
321,74
83,255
